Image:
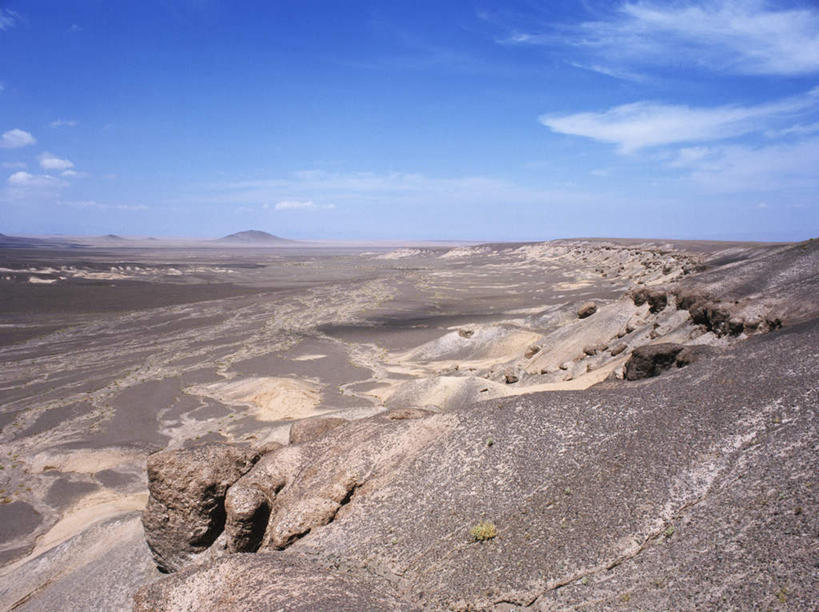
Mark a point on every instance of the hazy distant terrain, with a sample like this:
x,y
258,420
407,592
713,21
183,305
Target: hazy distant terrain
x,y
112,352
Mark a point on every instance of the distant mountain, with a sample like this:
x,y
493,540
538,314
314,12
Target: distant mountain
x,y
254,237
30,242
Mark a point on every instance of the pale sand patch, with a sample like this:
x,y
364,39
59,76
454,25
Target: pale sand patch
x,y
84,461
494,343
308,357
90,510
446,391
269,398
567,286
527,311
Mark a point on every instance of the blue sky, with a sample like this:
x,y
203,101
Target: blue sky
x,y
517,120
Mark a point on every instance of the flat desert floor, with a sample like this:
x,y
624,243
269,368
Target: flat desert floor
x,y
110,354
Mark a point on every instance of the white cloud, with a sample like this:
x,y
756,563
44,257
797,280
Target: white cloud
x,y
48,161
646,124
794,130
25,179
73,174
358,190
295,205
775,168
733,36
93,204
689,155
16,138
8,19
63,123
615,73
299,205
15,165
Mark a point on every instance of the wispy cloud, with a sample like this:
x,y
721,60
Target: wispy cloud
x,y
8,19
609,71
299,205
73,174
295,205
49,161
16,138
772,168
645,124
356,190
63,123
18,165
93,204
731,36
24,186
795,130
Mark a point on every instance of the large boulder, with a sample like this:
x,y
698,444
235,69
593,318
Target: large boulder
x,y
651,359
186,511
657,298
586,310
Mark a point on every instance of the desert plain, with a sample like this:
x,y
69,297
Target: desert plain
x,y
325,425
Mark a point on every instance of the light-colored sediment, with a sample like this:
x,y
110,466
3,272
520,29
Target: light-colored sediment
x,y
84,461
269,398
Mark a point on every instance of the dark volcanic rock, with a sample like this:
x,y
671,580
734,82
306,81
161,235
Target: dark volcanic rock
x,y
185,511
586,310
312,429
651,359
657,298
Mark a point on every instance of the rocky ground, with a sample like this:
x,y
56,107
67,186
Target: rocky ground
x,y
634,424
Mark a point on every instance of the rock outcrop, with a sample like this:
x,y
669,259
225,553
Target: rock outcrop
x,y
186,506
651,359
312,429
689,491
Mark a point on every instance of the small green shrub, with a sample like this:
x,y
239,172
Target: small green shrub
x,y
485,530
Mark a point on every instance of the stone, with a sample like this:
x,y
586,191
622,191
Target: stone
x,y
313,429
593,349
248,510
586,310
510,378
617,350
657,299
649,360
465,333
185,511
531,352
